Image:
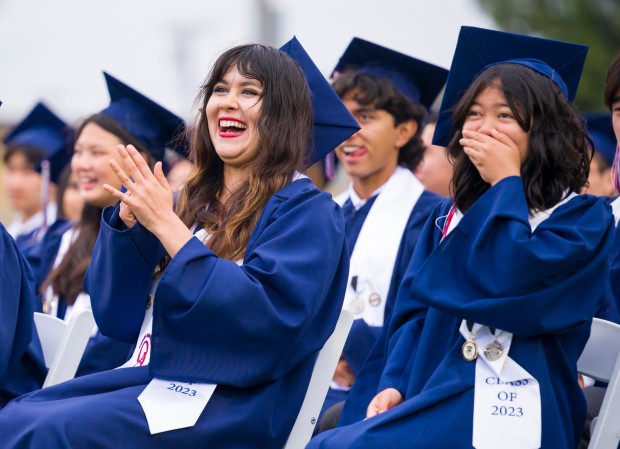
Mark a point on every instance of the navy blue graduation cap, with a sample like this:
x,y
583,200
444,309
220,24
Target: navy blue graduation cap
x,y
151,124
44,130
601,132
333,123
416,79
478,48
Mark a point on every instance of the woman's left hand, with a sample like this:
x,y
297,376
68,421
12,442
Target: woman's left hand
x,y
495,156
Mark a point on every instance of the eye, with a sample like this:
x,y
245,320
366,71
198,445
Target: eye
x,y
250,92
473,113
364,116
506,115
219,90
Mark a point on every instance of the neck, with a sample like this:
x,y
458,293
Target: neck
x,y
28,214
233,178
366,186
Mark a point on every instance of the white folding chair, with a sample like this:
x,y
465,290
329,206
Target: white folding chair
x,y
63,343
601,361
322,374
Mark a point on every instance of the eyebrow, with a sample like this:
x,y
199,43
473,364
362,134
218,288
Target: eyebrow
x,y
501,105
250,82
364,109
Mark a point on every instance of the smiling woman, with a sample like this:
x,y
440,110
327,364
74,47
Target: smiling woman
x,y
236,313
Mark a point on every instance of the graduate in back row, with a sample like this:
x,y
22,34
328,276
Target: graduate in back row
x,y
228,321
37,150
385,206
511,271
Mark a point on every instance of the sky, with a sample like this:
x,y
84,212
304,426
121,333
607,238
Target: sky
x,y
55,50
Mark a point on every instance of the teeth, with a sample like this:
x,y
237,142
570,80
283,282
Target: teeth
x,y
232,124
350,150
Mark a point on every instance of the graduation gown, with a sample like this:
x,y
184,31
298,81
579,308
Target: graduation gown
x,y
362,337
253,330
543,287
16,327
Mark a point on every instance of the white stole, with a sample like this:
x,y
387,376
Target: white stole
x,y
18,227
615,207
507,409
374,255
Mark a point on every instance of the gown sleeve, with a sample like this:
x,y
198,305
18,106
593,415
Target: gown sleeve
x,y
18,302
492,269
120,275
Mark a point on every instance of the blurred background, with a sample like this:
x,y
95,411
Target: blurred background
x,y
54,51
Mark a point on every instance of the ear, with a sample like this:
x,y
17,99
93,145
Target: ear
x,y
404,132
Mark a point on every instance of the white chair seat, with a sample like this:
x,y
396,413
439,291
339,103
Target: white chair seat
x,y
601,361
63,343
322,374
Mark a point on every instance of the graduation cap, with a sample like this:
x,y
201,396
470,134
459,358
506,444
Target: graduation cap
x,y
44,130
151,124
601,132
478,49
418,80
333,123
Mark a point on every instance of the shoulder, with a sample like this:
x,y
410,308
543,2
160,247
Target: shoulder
x,y
300,205
586,205
427,202
300,193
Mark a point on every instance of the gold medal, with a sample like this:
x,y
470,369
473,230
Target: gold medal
x,y
469,350
356,306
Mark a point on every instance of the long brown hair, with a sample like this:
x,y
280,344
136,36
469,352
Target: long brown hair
x,y
67,279
284,130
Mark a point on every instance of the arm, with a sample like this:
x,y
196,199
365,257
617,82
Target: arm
x,y
493,270
241,326
120,275
18,299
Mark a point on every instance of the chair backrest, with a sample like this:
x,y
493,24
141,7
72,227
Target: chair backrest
x,y
322,374
601,360
63,343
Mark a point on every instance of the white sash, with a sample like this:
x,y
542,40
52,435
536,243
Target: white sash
x,y
18,227
374,255
615,207
507,408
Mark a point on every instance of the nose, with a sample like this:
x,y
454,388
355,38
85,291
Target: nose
x,y
80,161
486,125
229,102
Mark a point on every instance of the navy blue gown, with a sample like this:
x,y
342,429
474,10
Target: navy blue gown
x,y
253,330
16,327
561,268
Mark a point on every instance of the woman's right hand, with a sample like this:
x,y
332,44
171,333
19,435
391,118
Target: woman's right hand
x,y
127,215
385,400
495,156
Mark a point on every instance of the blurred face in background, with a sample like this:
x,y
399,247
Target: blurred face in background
x,y
72,201
23,185
435,170
90,164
